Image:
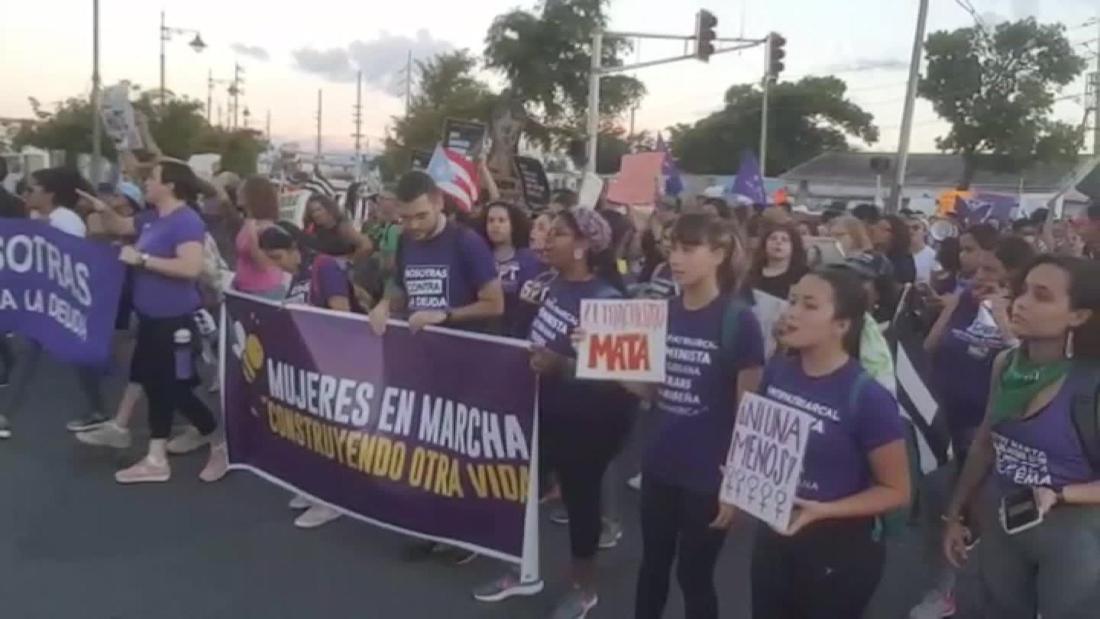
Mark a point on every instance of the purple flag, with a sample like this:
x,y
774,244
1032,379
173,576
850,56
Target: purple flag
x,y
986,208
429,434
673,183
59,290
749,183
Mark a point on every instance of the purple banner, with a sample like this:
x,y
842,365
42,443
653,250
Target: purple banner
x,y
430,433
59,290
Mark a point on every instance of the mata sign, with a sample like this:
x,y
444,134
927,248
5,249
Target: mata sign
x,y
623,340
765,459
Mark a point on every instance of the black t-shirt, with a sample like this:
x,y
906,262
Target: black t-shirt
x,y
10,206
779,285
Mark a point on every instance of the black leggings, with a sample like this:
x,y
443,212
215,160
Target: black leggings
x,y
828,571
676,526
153,367
7,359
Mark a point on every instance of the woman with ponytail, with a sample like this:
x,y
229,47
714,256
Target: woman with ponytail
x,y
1040,510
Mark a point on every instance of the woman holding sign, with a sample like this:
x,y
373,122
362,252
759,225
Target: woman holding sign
x,y
827,562
715,352
583,423
1040,512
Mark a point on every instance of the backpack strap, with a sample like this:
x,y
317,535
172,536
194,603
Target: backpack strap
x,y
731,324
1085,411
857,389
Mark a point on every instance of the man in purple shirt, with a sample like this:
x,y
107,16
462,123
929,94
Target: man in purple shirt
x,y
445,272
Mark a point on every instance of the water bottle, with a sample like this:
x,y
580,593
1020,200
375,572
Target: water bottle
x,y
184,361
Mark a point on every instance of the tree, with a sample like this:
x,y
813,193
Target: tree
x,y
806,118
446,88
546,58
67,128
998,89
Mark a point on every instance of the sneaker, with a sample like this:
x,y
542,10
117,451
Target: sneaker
x,y
575,605
461,556
217,466
559,516
300,502
5,428
935,605
84,424
187,441
635,483
316,516
109,434
144,471
505,587
610,534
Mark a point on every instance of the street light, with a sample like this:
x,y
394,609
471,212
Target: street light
x,y
166,33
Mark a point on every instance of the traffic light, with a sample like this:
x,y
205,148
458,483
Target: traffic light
x,y
705,21
776,53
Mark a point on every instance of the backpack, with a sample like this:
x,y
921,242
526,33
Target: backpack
x,y
1085,411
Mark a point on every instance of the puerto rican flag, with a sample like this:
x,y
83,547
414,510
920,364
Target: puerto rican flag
x,y
456,176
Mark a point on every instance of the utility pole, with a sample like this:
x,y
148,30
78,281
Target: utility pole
x,y
766,87
267,127
594,101
320,109
894,205
358,118
163,41
97,128
408,83
235,91
1096,96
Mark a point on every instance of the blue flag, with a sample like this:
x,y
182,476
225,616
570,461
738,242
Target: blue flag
x,y
59,290
749,183
674,185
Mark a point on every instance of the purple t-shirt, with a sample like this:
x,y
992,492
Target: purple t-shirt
x,y
697,400
330,279
963,362
159,296
521,268
445,272
836,463
561,309
1044,449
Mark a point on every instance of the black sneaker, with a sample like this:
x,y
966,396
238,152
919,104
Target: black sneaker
x,y
91,422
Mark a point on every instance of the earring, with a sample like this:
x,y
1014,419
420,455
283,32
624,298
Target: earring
x,y
1069,345
578,254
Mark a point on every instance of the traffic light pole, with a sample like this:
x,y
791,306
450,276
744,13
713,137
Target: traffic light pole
x,y
907,112
767,86
598,71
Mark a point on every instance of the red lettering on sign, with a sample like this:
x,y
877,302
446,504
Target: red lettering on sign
x,y
624,351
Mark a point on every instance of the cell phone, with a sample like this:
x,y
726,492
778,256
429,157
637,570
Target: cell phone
x,y
1019,511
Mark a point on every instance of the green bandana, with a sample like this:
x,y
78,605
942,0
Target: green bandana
x,y
1021,381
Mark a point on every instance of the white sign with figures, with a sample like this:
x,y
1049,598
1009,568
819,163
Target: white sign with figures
x,y
765,459
119,121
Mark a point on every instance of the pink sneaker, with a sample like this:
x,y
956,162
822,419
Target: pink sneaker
x,y
144,471
217,466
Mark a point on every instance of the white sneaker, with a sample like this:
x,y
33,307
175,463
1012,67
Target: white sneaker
x,y
300,502
187,441
109,434
316,516
935,604
505,587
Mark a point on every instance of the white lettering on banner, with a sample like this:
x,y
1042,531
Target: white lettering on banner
x,y
25,254
1023,465
797,401
7,300
625,339
765,459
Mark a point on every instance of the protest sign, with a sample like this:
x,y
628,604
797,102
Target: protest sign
x,y
292,206
58,289
401,431
624,339
765,459
532,176
119,121
465,137
639,179
420,159
767,309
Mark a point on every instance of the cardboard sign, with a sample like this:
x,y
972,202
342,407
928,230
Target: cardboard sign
x,y
624,340
767,309
532,176
420,159
292,206
464,137
639,179
765,459
119,122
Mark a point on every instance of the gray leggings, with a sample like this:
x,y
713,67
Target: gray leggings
x,y
1052,569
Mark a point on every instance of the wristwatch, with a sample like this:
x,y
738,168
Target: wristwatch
x,y
144,259
446,316
1059,495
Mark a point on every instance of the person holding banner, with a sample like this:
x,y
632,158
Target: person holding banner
x,y
827,563
168,260
53,194
507,229
1033,471
583,423
715,352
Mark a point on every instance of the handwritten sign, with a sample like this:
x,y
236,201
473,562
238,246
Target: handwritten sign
x,y
624,340
765,459
119,121
532,176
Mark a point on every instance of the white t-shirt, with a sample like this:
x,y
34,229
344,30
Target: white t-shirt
x,y
925,261
66,220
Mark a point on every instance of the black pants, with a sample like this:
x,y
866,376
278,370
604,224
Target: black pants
x,y
828,571
153,367
7,360
675,526
22,372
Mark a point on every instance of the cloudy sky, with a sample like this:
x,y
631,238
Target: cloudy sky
x,y
290,53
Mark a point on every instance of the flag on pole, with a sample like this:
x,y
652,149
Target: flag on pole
x,y
456,176
674,185
320,185
749,183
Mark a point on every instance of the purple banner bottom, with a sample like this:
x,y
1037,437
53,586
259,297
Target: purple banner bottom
x,y
430,434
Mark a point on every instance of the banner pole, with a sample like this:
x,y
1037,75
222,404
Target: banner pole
x,y
529,565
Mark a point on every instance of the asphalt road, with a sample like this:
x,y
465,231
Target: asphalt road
x,y
76,545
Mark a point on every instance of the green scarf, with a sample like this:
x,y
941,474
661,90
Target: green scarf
x,y
1021,381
